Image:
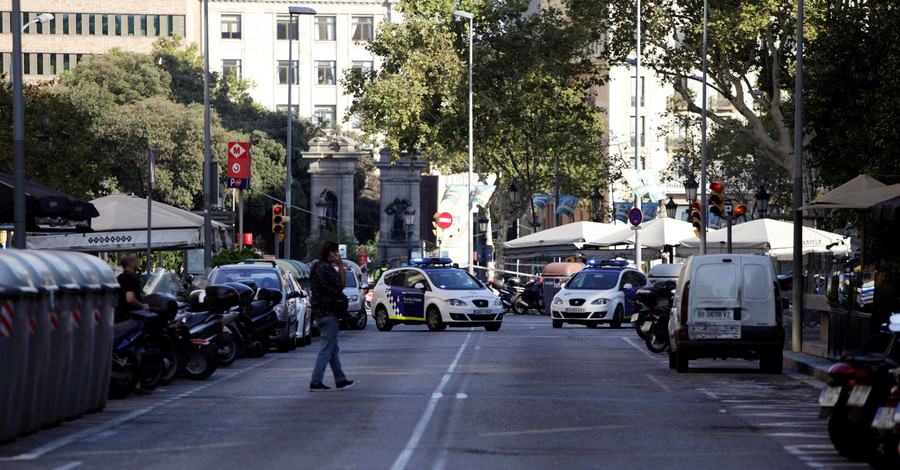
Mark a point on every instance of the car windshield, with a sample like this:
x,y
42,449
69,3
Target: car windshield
x,y
595,280
452,279
263,278
351,279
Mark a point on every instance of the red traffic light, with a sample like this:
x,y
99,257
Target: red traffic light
x,y
715,187
740,210
277,209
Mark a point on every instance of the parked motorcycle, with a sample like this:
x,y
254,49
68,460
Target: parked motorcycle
x,y
531,298
139,345
257,319
506,295
861,385
652,306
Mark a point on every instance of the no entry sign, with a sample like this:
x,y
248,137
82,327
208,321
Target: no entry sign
x,y
445,220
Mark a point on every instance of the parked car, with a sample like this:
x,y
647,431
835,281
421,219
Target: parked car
x,y
727,305
356,302
664,272
599,293
432,292
266,273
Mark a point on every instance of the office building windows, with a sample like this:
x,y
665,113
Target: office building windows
x,y
642,90
356,121
326,115
143,25
92,24
104,21
282,108
363,28
282,26
231,26
65,23
283,72
325,72
643,130
361,66
324,28
231,66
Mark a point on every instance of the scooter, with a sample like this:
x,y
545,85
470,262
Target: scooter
x,y
652,306
531,298
506,295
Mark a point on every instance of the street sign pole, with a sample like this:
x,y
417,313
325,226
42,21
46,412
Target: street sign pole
x,y
241,218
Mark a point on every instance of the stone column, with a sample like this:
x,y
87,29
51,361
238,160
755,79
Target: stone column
x,y
399,189
333,163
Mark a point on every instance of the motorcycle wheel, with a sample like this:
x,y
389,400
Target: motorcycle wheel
x,y
517,306
151,376
226,349
636,323
855,440
201,364
657,339
259,348
124,376
885,456
173,363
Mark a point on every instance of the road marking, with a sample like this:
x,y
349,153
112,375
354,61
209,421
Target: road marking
x,y
552,430
68,466
406,454
64,441
663,386
642,348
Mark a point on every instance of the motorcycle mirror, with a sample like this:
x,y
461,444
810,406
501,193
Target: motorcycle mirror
x,y
895,327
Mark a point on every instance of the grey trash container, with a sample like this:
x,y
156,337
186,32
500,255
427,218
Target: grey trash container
x,y
71,317
17,328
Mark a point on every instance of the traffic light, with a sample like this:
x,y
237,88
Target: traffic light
x,y
279,221
717,198
696,219
740,210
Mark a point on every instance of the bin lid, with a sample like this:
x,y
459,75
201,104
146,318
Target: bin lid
x,y
15,280
63,274
33,267
562,269
87,275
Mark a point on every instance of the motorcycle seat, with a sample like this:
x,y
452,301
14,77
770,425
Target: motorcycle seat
x,y
123,329
258,307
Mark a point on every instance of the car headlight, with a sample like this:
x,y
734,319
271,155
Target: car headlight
x,y
456,302
352,298
600,302
557,301
497,302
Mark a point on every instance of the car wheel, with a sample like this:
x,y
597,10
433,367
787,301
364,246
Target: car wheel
x,y
681,361
557,323
382,322
433,319
617,318
493,326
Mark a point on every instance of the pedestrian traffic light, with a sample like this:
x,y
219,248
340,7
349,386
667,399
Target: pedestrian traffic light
x,y
717,198
279,221
696,219
740,210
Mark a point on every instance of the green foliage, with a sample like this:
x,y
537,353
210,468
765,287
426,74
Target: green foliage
x,y
235,255
120,76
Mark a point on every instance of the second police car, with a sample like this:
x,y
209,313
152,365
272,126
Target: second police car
x,y
431,292
599,293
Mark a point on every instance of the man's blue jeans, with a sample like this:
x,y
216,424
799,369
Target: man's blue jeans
x,y
328,327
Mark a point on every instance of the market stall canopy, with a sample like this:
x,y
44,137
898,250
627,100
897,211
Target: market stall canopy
x,y
122,226
767,236
565,240
655,234
46,209
860,183
860,198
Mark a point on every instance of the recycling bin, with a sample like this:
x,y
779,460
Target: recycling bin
x,y
101,290
554,276
17,307
51,352
71,321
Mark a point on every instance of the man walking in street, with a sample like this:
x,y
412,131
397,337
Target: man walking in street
x,y
326,281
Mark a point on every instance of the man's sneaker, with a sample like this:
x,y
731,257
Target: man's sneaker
x,y
344,385
319,388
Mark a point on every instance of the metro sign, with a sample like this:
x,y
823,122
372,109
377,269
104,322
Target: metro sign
x,y
239,163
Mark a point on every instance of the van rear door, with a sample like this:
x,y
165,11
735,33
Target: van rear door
x,y
715,300
757,292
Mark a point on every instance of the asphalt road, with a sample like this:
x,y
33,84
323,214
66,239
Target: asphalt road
x,y
527,396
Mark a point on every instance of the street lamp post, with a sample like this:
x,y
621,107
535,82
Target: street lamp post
x,y
596,199
409,216
703,138
671,207
690,190
482,236
19,224
288,160
762,201
637,127
322,212
469,16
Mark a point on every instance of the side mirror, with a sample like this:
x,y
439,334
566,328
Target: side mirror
x,y
419,286
364,285
292,295
303,295
627,286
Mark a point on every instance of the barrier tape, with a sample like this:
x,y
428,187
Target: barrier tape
x,y
6,320
76,316
33,325
97,316
53,319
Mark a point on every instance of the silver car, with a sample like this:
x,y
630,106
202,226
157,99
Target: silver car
x,y
354,290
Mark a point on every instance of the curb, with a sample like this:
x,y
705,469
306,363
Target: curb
x,y
810,365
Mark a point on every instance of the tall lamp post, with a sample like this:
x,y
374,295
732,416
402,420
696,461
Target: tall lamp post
x,y
690,189
671,208
762,201
469,16
637,126
409,216
596,200
288,160
19,224
322,212
482,235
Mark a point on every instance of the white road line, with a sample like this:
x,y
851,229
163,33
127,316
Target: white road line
x,y
642,348
406,454
64,441
68,466
663,386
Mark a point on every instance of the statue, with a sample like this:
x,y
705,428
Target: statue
x,y
397,209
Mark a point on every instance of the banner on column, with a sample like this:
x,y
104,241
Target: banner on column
x,y
482,194
567,205
452,193
650,210
541,201
622,209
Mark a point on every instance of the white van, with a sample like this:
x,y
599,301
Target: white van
x,y
727,305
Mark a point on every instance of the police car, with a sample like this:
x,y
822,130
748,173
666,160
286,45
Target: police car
x,y
432,292
599,293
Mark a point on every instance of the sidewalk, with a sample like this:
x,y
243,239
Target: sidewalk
x,y
808,364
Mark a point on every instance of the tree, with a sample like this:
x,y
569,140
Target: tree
x,y
751,48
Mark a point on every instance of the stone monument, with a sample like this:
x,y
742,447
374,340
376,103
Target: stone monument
x,y
399,192
333,163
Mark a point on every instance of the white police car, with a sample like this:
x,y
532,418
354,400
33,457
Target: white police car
x,y
599,293
432,292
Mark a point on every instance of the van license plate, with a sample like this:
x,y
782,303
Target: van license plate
x,y
884,418
858,395
715,314
829,396
575,309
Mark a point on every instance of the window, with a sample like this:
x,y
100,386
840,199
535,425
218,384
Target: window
x,y
53,64
324,28
118,19
643,130
642,91
356,121
284,23
283,72
231,26
680,127
282,108
143,25
66,64
325,115
65,23
362,28
359,66
171,24
104,24
415,277
325,72
92,24
131,25
26,64
231,66
156,25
